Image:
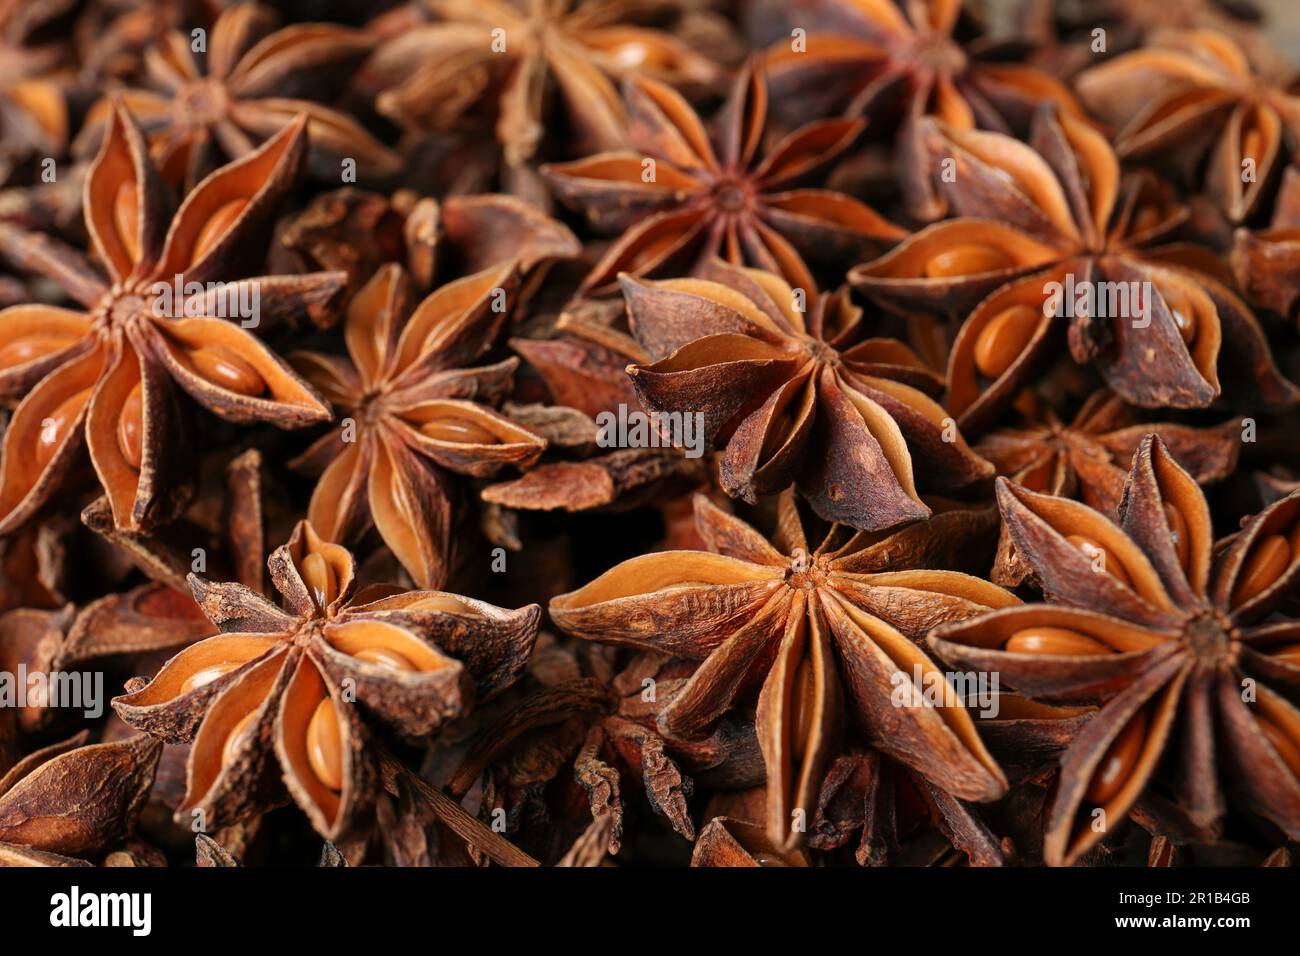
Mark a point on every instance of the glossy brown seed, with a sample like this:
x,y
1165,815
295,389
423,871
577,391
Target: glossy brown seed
x,y
238,735
385,657
802,697
1183,312
1287,749
30,348
1178,531
206,675
227,370
126,210
1001,341
325,745
441,602
460,430
1109,563
965,260
215,227
1267,561
55,428
320,579
130,428
1121,757
1054,640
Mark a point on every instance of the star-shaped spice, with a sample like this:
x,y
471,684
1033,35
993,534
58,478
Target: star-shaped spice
x,y
1193,92
798,391
801,620
106,379
1170,632
1056,211
241,88
281,685
689,196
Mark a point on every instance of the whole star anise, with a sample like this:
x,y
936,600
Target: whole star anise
x,y
105,379
692,197
1171,633
880,60
200,110
271,686
798,618
1193,91
794,391
1050,236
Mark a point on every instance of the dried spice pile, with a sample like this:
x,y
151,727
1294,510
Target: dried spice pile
x,y
676,432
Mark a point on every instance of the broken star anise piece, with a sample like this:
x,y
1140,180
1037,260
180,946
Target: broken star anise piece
x,y
106,379
796,390
1058,239
1171,634
797,618
693,196
412,415
281,685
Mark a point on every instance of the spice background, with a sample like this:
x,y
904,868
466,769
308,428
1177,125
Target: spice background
x,y
316,546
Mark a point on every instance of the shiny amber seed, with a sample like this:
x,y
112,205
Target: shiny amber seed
x,y
1121,757
130,427
55,428
320,579
441,602
1054,640
216,227
225,369
802,697
385,657
1183,312
1178,532
1267,562
325,745
1286,748
463,431
965,260
29,348
240,733
1001,341
1093,549
206,675
126,213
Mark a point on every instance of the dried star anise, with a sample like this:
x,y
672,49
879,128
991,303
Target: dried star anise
x,y
201,110
1171,634
1194,91
1044,224
693,196
883,60
802,621
796,392
278,685
1265,262
105,379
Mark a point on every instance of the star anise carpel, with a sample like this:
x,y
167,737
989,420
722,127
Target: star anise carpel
x,y
1171,635
105,380
1043,225
270,702
791,386
794,620
690,195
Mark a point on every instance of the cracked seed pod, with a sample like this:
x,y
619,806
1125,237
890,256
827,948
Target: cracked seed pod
x,y
1171,635
106,380
279,685
795,394
1057,212
799,619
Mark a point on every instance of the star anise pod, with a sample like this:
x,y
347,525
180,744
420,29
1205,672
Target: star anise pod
x,y
105,379
1266,262
729,842
798,392
413,416
881,60
524,57
693,196
278,685
1193,91
200,110
34,95
1057,212
70,803
1170,633
798,618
